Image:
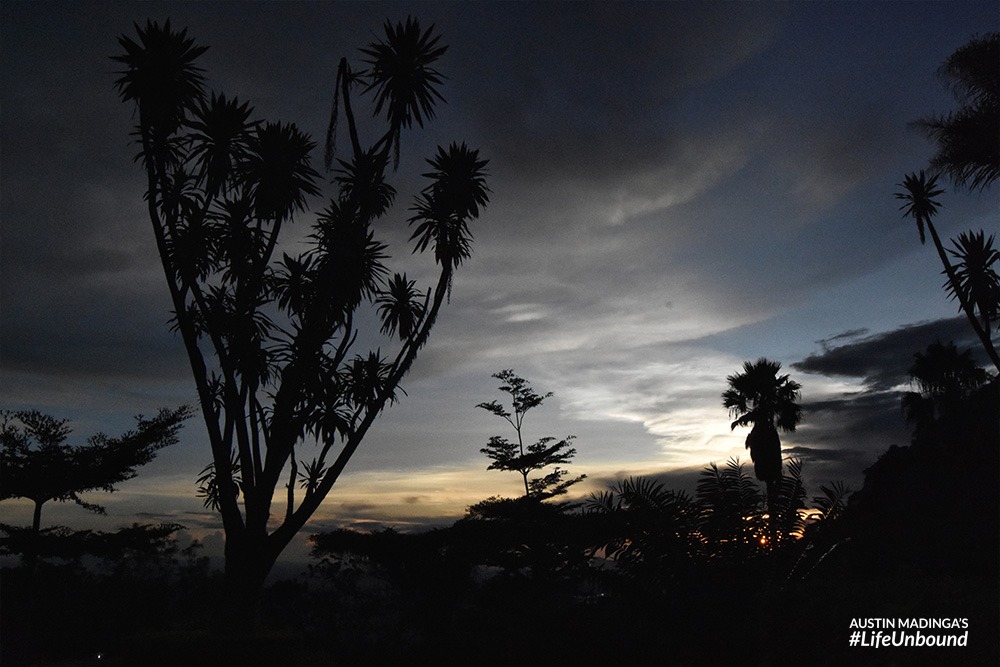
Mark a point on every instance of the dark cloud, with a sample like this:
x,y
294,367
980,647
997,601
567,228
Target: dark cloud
x,y
883,360
92,331
595,84
846,335
678,479
840,437
822,455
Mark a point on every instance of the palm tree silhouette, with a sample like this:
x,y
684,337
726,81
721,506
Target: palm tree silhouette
x,y
918,196
761,397
402,78
968,138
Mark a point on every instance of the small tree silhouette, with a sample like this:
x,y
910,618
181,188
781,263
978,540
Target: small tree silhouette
x,y
37,464
514,456
271,339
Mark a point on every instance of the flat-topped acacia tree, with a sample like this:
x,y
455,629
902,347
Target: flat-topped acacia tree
x,y
271,340
37,464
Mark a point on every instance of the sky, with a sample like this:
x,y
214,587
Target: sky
x,y
676,188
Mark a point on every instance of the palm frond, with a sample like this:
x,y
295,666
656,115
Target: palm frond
x,y
401,307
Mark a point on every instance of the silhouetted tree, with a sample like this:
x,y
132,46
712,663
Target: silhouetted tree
x,y
944,378
976,277
270,341
919,202
968,139
514,456
761,397
39,465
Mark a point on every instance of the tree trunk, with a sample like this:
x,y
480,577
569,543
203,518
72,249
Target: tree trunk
x,y
36,521
773,489
765,452
247,566
31,552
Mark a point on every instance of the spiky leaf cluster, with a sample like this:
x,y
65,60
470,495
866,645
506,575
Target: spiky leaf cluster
x,y
38,464
976,275
918,196
760,395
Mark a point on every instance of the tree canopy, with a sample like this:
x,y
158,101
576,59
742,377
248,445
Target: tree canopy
x,y
761,397
38,463
515,456
273,337
968,138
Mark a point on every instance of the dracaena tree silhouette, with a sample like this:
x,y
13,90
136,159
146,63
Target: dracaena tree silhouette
x,y
976,277
272,339
968,138
761,397
975,285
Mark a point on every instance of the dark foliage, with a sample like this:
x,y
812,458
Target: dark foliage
x,y
39,465
968,138
271,339
516,456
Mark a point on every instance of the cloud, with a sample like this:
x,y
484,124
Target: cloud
x,y
822,455
846,335
847,431
594,86
661,173
883,360
838,438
